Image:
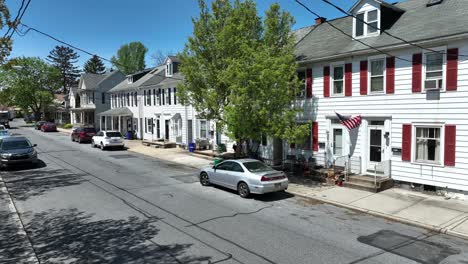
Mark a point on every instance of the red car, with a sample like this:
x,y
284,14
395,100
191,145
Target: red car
x,y
49,127
83,134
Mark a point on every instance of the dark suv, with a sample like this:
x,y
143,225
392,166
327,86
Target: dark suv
x,y
83,134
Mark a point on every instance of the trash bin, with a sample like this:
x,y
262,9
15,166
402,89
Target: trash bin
x,y
192,147
217,161
128,135
221,148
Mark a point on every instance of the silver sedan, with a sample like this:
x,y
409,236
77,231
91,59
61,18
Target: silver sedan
x,y
246,176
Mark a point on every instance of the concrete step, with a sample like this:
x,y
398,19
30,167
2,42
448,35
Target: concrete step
x,y
361,186
364,179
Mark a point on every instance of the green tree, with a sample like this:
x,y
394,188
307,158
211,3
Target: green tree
x,y
5,42
94,65
65,59
29,83
240,71
130,58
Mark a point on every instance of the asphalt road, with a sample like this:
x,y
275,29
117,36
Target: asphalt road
x,y
84,205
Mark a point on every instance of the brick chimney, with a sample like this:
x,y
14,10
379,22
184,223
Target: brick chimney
x,y
320,20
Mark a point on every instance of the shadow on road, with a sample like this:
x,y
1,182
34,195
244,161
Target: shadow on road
x,y
267,197
27,166
72,236
27,184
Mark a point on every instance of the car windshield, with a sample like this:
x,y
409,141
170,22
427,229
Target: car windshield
x,y
257,166
15,144
113,134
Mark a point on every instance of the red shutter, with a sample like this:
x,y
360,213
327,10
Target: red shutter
x,y
406,143
450,139
348,79
452,69
363,78
309,82
390,78
326,81
417,72
315,145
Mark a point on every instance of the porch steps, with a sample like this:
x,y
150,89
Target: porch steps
x,y
367,183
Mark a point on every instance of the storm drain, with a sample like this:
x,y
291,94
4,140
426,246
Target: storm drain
x,y
409,247
185,178
122,156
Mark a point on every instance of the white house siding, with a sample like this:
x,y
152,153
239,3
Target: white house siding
x,y
402,107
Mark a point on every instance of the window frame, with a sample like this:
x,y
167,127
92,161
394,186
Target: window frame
x,y
369,74
332,79
303,92
206,128
440,126
443,50
366,20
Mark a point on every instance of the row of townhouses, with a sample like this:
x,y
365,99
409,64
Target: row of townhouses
x,y
412,96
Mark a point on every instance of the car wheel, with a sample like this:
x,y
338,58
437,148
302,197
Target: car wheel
x,y
92,144
79,140
204,179
102,146
243,190
72,139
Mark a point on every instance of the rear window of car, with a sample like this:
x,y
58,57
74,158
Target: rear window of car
x,y
257,166
113,134
15,144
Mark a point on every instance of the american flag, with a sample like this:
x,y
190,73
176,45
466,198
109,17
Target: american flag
x,y
350,123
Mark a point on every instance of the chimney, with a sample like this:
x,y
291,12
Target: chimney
x,y
320,20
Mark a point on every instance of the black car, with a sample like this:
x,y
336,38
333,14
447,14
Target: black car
x,y
16,150
39,124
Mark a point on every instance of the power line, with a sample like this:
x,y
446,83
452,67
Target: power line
x,y
19,19
350,36
11,24
384,31
78,48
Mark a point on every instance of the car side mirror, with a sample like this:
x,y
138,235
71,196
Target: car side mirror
x,y
214,167
34,145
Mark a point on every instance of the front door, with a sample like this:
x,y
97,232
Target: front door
x,y
338,142
375,146
166,135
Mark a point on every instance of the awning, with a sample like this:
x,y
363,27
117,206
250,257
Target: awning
x,y
176,117
121,111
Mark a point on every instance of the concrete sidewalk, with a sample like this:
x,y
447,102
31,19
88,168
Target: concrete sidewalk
x,y
432,212
176,155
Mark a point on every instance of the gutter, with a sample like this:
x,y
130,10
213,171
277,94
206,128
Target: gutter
x,y
453,37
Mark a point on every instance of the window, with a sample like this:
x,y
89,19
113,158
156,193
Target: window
x,y
169,96
301,75
338,80
203,129
307,143
103,98
169,69
148,98
175,95
154,97
434,66
128,99
163,102
367,23
131,98
224,166
136,99
376,75
159,96
428,145
144,96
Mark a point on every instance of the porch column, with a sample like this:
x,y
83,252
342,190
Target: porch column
x,y
100,122
120,126
112,123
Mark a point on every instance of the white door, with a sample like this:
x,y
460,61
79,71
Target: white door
x,y
376,147
338,142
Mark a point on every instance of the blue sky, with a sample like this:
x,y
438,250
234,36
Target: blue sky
x,y
102,26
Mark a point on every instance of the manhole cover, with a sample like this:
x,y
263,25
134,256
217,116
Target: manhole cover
x,y
409,247
186,178
122,156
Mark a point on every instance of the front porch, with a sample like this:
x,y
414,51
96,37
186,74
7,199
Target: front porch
x,y
82,116
118,119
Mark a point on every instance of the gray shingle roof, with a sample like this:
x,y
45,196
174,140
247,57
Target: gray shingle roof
x,y
93,81
121,111
300,33
417,23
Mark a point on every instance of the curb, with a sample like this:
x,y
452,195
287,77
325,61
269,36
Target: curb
x,y
61,130
437,229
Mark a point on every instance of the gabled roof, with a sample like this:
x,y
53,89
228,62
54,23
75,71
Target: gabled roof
x,y
93,81
417,23
380,2
173,59
126,86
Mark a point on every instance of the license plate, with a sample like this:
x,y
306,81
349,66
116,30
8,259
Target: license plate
x,y
115,140
277,185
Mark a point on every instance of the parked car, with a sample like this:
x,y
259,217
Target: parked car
x,y
16,150
107,139
39,124
49,127
4,133
246,176
2,127
83,134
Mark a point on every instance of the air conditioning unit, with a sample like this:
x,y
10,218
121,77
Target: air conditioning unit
x,y
430,84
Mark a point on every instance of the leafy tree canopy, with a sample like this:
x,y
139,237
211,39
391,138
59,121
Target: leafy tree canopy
x,y
29,83
5,41
130,58
65,59
94,65
240,71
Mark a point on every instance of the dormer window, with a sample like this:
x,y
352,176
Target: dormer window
x,y
371,25
130,79
169,69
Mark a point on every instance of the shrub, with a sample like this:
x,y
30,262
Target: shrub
x,y
67,126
